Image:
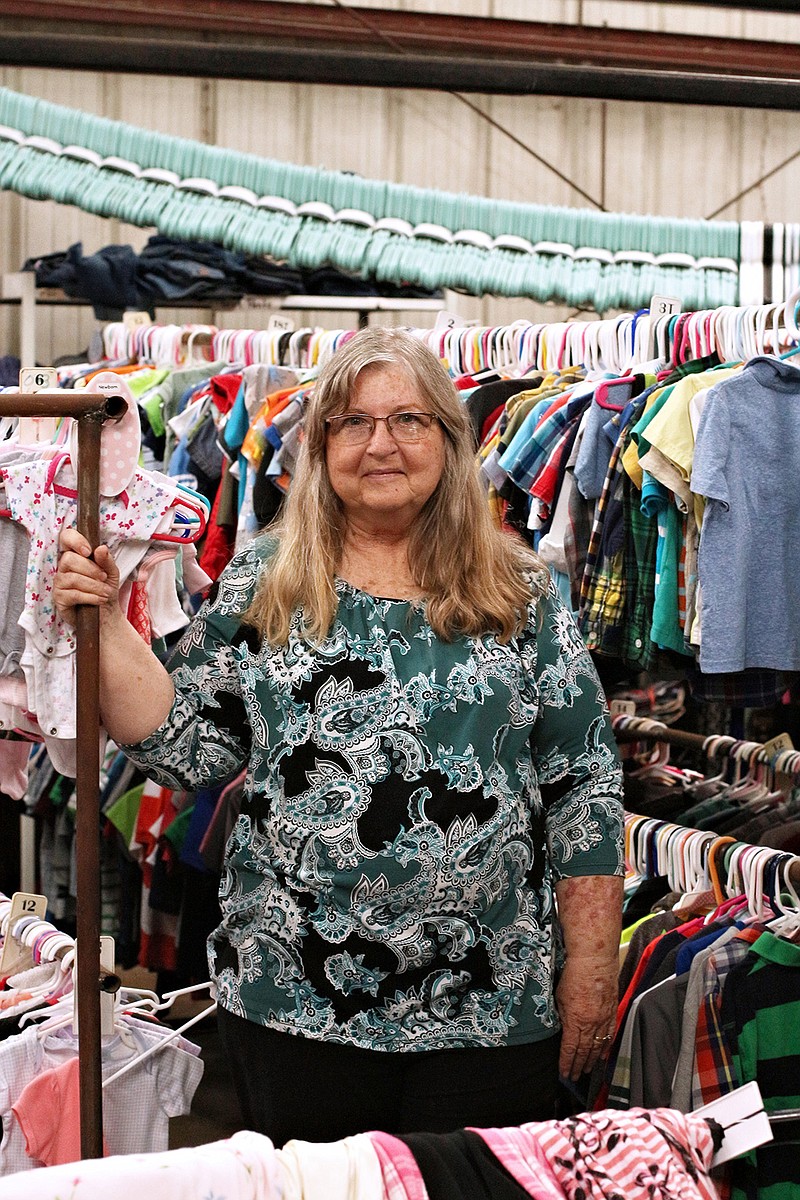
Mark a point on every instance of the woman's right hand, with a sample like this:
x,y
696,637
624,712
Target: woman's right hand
x,y
83,579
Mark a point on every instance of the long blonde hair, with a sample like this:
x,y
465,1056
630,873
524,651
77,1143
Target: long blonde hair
x,y
475,578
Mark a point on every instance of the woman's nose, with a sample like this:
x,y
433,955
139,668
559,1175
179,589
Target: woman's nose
x,y
381,439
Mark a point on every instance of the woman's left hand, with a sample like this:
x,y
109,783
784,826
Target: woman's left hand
x,y
586,998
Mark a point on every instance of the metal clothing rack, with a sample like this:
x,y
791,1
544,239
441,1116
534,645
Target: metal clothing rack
x,y
787,762
90,410
637,729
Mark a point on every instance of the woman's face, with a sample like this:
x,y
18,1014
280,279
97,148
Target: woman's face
x,y
384,483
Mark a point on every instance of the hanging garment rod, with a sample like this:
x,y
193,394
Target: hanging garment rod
x,y
91,410
637,729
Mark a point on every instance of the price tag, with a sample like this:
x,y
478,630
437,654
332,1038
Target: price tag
x,y
15,956
777,745
281,323
135,320
622,708
448,320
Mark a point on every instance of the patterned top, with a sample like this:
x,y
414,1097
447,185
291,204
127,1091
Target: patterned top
x,y
409,804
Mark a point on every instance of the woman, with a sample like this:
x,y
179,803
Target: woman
x,y
429,771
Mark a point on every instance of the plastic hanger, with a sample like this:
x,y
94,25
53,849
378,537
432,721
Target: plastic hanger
x,y
713,868
169,998
787,923
603,397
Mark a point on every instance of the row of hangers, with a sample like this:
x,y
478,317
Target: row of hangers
x,y
165,345
695,861
192,345
39,942
785,762
616,344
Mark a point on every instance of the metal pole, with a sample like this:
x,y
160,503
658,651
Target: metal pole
x,y
87,824
90,410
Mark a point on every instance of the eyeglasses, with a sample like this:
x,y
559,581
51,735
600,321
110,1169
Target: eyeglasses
x,y
354,429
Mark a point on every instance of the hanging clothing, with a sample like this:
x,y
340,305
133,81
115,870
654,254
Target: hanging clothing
x,y
749,615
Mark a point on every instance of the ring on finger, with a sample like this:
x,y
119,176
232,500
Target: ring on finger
x,y
600,1039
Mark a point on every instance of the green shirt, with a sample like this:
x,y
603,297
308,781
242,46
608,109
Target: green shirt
x,y
409,804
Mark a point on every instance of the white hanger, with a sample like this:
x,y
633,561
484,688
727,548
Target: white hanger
x,y
788,923
169,998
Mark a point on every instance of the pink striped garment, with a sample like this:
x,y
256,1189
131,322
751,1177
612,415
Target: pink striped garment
x,y
641,1154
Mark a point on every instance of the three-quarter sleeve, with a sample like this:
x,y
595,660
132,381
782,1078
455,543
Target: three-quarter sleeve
x,y
574,752
206,737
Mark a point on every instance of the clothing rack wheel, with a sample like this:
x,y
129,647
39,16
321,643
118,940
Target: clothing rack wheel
x,y
91,410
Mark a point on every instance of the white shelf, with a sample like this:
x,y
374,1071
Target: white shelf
x,y
20,288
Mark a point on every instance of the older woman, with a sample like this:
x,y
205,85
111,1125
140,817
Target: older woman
x,y
431,828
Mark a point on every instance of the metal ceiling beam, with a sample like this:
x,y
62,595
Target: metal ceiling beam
x,y
288,64
311,43
778,6
316,26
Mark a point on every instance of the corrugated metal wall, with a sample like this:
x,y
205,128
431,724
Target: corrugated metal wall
x,y
662,159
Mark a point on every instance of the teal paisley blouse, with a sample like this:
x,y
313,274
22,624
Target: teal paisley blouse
x,y
409,804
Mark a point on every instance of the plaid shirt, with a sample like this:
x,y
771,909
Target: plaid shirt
x,y
753,688
523,465
713,1074
603,587
641,537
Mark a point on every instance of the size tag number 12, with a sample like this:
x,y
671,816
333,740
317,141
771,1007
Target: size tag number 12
x,y
16,956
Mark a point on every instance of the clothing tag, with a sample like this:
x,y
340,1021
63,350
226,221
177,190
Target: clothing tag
x,y
135,320
448,320
622,708
281,323
16,955
37,431
741,1115
660,306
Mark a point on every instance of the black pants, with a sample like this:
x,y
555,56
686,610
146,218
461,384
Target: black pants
x,y
295,1087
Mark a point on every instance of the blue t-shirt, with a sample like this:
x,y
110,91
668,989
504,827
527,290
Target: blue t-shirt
x,y
747,464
